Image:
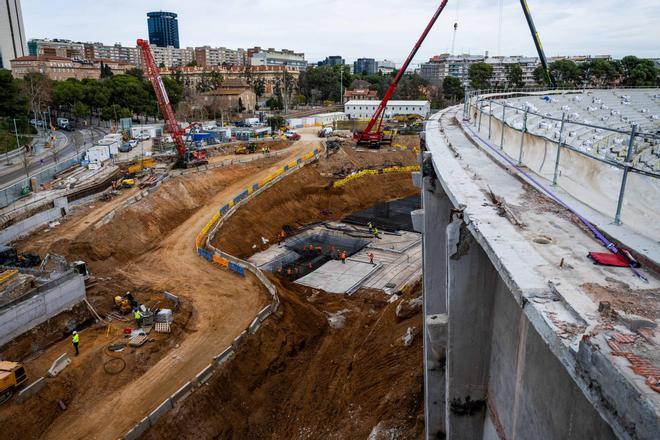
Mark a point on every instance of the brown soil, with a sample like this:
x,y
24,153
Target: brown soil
x,y
149,247
408,140
308,197
300,378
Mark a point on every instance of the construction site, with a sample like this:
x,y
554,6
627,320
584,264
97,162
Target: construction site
x,y
495,276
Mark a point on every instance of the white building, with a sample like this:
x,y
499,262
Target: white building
x,y
116,52
386,66
172,56
366,109
272,57
441,66
217,56
500,63
12,33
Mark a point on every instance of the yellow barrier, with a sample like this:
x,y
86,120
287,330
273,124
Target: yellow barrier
x,y
7,274
140,165
360,174
199,240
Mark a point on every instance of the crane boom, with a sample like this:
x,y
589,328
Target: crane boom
x,y
185,156
537,42
368,135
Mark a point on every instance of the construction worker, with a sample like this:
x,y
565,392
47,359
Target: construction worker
x,y
376,233
371,227
75,339
371,257
138,317
343,257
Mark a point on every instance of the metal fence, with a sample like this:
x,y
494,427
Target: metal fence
x,y
484,107
10,193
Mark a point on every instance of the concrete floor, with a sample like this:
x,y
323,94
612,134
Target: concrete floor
x,y
397,262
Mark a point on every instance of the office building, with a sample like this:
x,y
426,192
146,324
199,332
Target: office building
x,y
365,66
366,109
12,33
334,60
272,57
163,29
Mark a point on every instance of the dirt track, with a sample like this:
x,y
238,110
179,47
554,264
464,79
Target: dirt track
x,y
176,266
224,303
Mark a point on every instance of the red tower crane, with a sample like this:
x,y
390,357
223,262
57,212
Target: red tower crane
x,y
375,137
186,157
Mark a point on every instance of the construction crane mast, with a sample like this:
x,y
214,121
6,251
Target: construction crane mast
x,y
375,137
537,42
186,157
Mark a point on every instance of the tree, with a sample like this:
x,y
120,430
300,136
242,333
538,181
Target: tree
x,y
275,103
241,107
452,88
600,72
411,87
566,73
539,76
514,76
106,71
193,63
80,110
66,93
276,122
322,83
480,75
259,87
12,102
638,72
37,87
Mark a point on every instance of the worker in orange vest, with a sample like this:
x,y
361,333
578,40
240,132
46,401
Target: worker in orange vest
x,y
343,257
371,257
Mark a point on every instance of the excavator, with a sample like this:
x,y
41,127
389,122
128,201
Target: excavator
x,y
374,135
188,155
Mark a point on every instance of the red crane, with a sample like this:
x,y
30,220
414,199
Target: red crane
x,y
186,157
375,137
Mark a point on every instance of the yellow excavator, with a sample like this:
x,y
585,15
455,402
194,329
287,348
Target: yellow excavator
x,y
12,376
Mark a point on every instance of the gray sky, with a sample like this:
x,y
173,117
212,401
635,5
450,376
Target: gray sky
x,y
363,28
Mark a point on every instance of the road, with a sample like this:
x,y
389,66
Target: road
x,y
64,149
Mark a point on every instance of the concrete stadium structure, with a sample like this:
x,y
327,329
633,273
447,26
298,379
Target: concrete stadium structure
x,y
524,336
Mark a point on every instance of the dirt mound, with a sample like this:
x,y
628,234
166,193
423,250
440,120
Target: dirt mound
x,y
325,366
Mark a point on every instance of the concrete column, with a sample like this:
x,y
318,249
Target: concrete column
x,y
436,217
471,280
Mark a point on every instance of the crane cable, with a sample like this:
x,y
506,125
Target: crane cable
x,y
453,38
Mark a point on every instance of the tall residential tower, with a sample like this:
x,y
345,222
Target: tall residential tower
x,y
12,32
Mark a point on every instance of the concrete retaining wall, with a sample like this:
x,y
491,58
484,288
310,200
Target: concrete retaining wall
x,y
47,301
28,225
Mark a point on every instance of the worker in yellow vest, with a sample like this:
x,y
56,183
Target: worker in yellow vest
x,y
75,339
138,317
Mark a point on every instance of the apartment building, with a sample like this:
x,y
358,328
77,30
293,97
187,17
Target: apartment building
x,y
271,57
62,68
217,56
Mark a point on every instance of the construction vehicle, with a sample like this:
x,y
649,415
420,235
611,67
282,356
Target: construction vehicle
x,y
12,376
373,135
187,155
250,148
128,183
125,303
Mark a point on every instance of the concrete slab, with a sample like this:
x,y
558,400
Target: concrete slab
x,y
336,277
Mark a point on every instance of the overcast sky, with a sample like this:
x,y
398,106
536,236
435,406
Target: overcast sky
x,y
364,28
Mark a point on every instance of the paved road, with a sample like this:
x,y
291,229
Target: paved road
x,y
64,149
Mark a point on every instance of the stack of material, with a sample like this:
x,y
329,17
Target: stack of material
x,y
162,327
138,340
164,316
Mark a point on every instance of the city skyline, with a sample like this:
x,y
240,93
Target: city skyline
x,y
562,26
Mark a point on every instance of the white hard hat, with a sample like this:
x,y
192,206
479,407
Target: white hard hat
x,y
75,332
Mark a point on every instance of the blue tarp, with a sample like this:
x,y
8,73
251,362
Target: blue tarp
x,y
236,268
205,254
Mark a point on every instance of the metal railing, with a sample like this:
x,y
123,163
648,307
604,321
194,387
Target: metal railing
x,y
492,99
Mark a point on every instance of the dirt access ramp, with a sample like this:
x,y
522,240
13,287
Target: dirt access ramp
x,y
138,246
324,366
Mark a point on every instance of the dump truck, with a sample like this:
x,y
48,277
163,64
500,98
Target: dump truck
x,y
12,377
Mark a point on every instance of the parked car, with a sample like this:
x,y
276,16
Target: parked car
x,y
144,137
125,148
133,143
